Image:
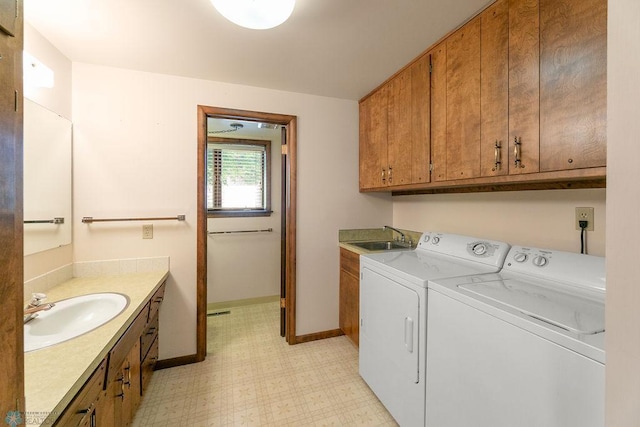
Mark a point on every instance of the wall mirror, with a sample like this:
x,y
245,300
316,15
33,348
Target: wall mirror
x,y
47,179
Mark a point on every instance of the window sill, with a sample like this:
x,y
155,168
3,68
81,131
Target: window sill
x,y
238,213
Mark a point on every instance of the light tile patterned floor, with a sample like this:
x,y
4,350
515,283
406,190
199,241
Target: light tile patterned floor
x,y
252,377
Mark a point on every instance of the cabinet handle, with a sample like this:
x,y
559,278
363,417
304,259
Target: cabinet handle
x,y
496,155
159,300
121,395
128,371
516,152
390,174
383,176
151,331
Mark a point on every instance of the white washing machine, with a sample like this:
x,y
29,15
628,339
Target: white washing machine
x,y
393,313
523,347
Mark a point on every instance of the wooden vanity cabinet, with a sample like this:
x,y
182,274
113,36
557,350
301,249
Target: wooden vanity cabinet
x,y
350,295
112,395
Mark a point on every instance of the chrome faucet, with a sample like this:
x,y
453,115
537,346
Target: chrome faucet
x,y
36,305
402,238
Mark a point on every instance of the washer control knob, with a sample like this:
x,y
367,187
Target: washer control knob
x,y
435,240
540,261
520,257
479,249
426,238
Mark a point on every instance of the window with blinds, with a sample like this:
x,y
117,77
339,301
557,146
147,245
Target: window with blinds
x,y
238,177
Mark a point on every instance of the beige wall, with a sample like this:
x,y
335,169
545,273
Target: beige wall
x,y
623,205
57,99
135,155
542,219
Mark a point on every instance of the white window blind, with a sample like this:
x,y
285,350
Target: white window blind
x,y
236,177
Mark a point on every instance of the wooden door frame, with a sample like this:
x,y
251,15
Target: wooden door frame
x,y
290,122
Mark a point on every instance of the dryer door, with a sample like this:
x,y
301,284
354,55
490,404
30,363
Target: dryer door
x,y
389,345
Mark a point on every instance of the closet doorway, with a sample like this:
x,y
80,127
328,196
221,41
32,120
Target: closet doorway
x,y
231,120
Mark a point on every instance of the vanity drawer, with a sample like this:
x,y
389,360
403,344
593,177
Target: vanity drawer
x,y
149,363
148,337
350,262
156,300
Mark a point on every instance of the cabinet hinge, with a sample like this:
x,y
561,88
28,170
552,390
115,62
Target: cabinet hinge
x,y
430,167
285,150
430,67
282,303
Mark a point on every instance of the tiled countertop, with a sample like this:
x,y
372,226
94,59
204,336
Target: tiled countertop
x,y
346,237
53,375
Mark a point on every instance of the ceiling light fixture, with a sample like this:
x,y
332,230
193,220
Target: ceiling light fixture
x,y
255,14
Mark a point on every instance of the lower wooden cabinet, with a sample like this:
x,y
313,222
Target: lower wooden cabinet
x,y
90,403
113,393
350,294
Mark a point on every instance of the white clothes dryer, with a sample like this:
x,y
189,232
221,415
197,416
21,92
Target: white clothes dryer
x,y
393,313
522,347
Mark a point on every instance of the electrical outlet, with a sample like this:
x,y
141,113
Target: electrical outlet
x,y
584,214
147,231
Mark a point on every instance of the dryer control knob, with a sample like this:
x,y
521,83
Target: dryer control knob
x,y
520,257
426,238
435,240
479,249
540,261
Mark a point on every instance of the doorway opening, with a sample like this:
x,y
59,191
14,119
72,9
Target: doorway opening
x,y
288,215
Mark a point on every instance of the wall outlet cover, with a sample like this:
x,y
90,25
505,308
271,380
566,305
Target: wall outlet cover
x,y
585,214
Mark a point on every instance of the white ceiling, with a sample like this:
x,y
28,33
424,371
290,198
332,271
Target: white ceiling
x,y
337,48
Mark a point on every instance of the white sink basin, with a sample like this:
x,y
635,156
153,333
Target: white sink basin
x,y
72,317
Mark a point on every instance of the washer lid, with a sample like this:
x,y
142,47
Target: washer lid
x,y
419,267
574,313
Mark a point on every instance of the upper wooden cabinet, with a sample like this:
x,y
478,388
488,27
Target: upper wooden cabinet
x,y
373,140
395,130
524,87
439,112
573,84
399,130
516,96
494,89
463,102
420,120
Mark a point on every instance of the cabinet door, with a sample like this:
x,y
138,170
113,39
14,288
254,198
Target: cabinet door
x,y
349,314
420,120
573,84
438,57
373,140
399,130
494,89
524,90
134,385
463,102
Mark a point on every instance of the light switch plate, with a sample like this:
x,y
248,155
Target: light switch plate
x,y
147,231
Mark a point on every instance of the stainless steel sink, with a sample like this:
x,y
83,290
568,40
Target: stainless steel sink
x,y
388,245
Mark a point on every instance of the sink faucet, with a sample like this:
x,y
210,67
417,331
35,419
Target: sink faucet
x,y
36,305
402,239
